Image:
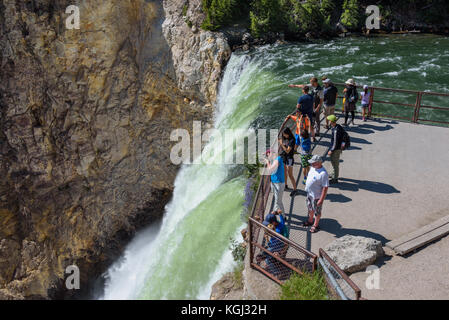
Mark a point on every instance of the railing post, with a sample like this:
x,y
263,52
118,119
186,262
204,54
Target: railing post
x,y
417,107
250,242
371,101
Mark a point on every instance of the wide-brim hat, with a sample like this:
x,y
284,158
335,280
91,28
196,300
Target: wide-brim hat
x,y
350,82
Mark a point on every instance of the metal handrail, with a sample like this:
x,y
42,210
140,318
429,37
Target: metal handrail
x,y
417,106
281,237
344,276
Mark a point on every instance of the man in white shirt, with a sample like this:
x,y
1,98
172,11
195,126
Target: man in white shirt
x,y
317,185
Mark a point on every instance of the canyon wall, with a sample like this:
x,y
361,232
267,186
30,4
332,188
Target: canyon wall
x,y
85,122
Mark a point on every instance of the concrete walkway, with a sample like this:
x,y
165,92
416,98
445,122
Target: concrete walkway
x,y
393,180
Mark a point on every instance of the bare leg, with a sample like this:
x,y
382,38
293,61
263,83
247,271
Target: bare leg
x,y
285,176
310,220
292,178
317,221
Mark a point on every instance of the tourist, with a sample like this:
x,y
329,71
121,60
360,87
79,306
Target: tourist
x,y
274,245
316,187
318,97
305,152
365,96
330,99
337,145
287,143
305,105
351,98
302,123
276,169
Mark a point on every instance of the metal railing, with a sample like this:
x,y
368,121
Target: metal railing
x,y
414,108
339,284
277,261
275,256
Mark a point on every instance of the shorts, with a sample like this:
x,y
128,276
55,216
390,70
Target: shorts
x,y
329,110
312,206
288,162
365,105
305,160
297,140
312,119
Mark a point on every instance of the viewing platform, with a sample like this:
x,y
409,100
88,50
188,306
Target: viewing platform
x,y
394,180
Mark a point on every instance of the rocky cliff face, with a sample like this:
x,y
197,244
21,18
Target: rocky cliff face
x,y
85,120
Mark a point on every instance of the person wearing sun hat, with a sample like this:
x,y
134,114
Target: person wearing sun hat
x,y
317,185
351,98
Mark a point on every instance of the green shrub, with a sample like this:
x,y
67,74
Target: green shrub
x,y
220,13
351,15
308,286
185,8
311,17
267,16
238,250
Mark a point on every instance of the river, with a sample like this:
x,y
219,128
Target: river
x,y
182,257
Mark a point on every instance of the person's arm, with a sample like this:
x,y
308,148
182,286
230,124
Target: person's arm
x,y
282,145
319,105
296,85
272,167
286,149
333,141
323,196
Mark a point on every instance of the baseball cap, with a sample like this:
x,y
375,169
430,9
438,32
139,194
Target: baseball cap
x,y
327,81
315,158
365,87
332,118
270,218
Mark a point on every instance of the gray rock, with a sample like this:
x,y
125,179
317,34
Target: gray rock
x,y
354,253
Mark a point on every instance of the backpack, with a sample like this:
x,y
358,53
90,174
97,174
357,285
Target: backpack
x,y
346,140
286,232
315,95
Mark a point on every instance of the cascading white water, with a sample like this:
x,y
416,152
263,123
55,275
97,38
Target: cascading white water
x,y
190,250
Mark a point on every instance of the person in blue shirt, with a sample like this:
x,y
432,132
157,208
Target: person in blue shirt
x,y
276,169
306,154
305,105
275,245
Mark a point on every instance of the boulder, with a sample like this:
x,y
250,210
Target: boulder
x,y
354,253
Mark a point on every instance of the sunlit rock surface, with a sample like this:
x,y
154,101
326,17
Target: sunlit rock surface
x,y
85,126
